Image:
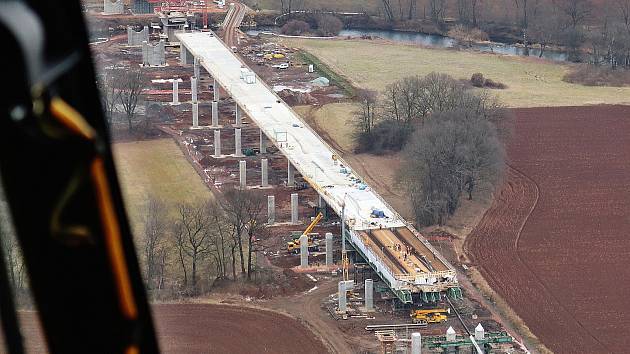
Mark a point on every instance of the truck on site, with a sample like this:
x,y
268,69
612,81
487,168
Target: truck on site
x,y
430,316
294,246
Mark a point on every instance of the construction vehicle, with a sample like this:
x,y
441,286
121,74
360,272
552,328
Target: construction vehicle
x,y
294,246
430,316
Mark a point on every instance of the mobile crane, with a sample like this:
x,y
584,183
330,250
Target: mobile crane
x,y
430,316
294,246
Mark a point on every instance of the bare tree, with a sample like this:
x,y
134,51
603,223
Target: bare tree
x,y
365,116
329,25
387,8
577,11
130,83
109,94
155,248
235,205
191,231
221,239
256,228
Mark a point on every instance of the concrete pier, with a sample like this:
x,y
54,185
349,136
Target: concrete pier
x,y
196,66
321,203
136,38
193,88
195,115
113,7
264,166
480,332
175,92
271,209
369,295
238,151
329,249
290,175
294,208
217,143
242,169
237,116
450,334
303,251
263,142
215,90
215,114
416,343
343,288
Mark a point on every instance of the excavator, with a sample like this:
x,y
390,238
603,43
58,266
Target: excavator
x,y
430,316
294,246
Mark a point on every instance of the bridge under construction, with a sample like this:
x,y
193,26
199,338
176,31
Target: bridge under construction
x,y
402,257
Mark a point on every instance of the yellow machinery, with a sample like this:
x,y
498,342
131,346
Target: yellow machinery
x,y
294,246
430,316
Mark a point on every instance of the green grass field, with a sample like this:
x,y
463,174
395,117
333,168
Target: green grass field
x,y
155,168
531,82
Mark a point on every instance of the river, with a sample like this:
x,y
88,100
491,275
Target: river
x,y
436,41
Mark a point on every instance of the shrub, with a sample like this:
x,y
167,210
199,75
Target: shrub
x,y
477,80
589,75
329,25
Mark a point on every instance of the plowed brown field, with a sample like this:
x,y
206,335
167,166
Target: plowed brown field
x,y
555,244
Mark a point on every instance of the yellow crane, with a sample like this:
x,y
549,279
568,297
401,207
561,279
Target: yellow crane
x,y
430,316
294,245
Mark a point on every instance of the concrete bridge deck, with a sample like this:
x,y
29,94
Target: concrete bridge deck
x,y
334,180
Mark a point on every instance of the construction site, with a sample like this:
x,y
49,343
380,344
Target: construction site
x,y
356,267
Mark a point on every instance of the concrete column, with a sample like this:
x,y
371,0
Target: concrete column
x,y
217,143
263,142
182,54
195,115
216,89
303,251
480,332
271,209
263,170
344,287
237,114
194,88
196,66
341,294
450,334
321,203
145,52
242,168
290,175
238,151
416,343
215,114
329,249
294,208
369,295
175,91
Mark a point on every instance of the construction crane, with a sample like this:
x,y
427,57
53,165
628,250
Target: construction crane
x,y
294,245
430,316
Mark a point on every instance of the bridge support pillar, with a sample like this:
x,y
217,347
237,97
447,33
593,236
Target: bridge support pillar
x,y
242,168
215,114
290,175
369,295
271,209
329,249
294,208
264,166
175,92
343,288
238,151
263,142
215,89
416,343
303,251
196,66
217,143
195,115
193,88
237,115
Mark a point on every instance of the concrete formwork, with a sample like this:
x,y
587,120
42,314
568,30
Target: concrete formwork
x,y
113,7
195,115
136,38
153,55
344,287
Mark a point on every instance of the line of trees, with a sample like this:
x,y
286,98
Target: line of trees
x,y
202,242
451,139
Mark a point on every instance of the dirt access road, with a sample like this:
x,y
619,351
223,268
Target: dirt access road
x,y
554,243
230,30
